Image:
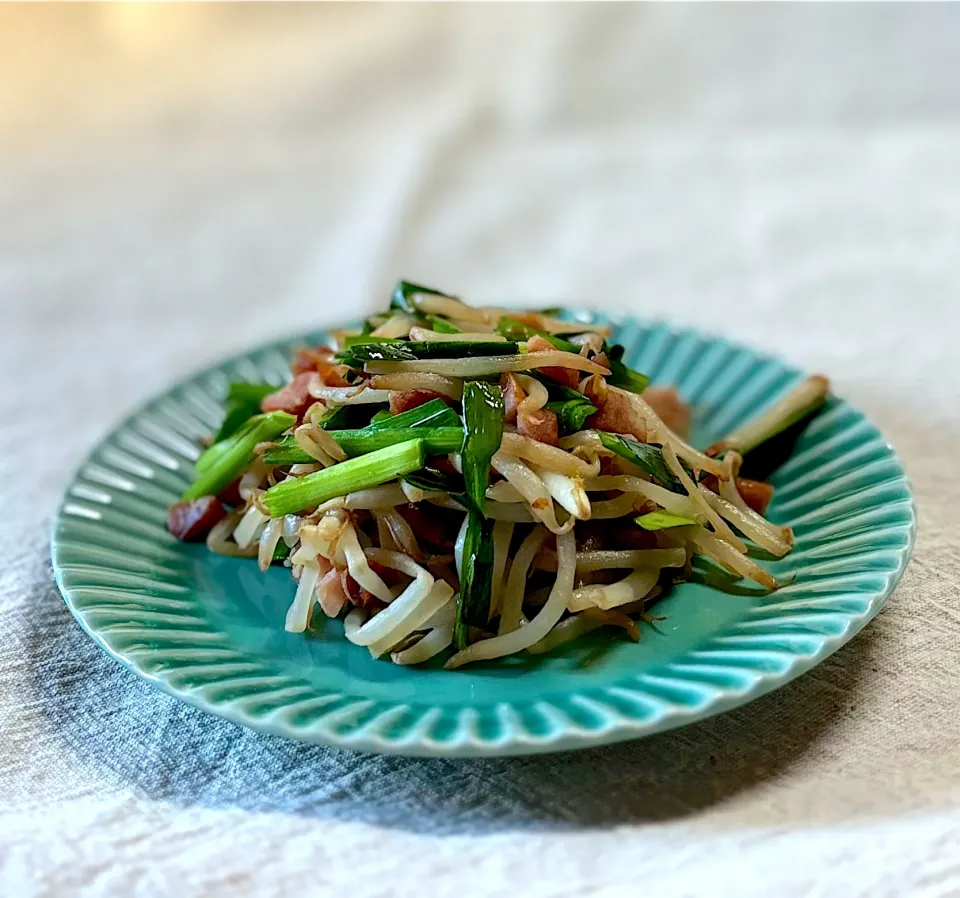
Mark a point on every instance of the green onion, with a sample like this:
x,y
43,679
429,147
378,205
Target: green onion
x,y
483,431
622,376
436,441
644,455
514,330
346,477
662,520
280,552
476,577
236,452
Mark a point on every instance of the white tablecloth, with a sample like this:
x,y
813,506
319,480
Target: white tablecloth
x,y
179,183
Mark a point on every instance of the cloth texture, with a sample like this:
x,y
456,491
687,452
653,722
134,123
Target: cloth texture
x,y
177,184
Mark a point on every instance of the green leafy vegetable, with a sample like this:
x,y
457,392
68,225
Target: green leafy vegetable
x,y
483,411
235,453
622,376
662,520
355,474
645,456
476,577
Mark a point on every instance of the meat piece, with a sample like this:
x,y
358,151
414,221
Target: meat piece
x,y
359,596
615,413
389,575
673,411
541,425
513,395
192,521
404,401
431,526
567,377
755,493
443,465
231,495
330,593
631,537
591,535
321,360
294,398
539,344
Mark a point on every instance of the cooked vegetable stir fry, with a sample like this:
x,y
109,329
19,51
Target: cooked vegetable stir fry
x,y
485,481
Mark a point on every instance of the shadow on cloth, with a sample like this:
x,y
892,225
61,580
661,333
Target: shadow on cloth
x,y
114,722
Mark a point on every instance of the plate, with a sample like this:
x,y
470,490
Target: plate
x,y
209,629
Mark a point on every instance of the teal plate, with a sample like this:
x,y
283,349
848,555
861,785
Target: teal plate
x,y
209,629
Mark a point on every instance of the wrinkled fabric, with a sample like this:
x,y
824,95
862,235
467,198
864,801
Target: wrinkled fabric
x,y
177,184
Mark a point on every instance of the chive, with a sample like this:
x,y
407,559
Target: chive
x,y
243,402
442,326
476,577
514,330
346,477
571,414
363,339
436,413
620,375
236,452
645,456
336,418
436,441
256,393
662,520
483,431
407,351
432,481
404,290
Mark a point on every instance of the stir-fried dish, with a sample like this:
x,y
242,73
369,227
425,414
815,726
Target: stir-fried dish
x,y
481,480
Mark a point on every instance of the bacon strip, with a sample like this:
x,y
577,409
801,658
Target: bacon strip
x,y
294,398
540,425
404,401
191,521
673,411
615,413
321,360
